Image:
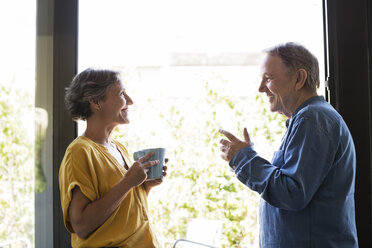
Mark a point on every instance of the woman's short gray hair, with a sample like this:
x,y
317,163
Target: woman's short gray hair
x,y
295,57
90,84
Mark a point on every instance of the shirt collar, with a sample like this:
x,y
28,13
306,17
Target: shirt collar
x,y
304,104
308,102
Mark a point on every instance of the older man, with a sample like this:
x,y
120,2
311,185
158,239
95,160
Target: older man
x,y
307,190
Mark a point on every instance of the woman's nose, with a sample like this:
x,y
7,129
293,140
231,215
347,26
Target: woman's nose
x,y
129,100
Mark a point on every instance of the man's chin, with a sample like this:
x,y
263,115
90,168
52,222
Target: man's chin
x,y
273,108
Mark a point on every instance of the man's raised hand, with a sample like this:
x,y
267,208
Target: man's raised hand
x,y
231,146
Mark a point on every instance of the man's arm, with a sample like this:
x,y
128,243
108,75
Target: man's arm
x,y
296,172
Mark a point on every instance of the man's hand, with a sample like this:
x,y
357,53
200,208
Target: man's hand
x,y
230,147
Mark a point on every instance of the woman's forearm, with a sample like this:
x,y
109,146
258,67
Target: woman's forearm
x,y
86,218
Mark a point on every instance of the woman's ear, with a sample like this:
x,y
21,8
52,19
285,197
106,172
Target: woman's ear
x,y
301,78
94,104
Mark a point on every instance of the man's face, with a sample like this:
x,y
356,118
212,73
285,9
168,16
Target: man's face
x,y
278,85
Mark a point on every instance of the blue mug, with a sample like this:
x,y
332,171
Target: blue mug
x,y
156,171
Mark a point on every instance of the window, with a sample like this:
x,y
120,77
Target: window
x,y
17,83
192,67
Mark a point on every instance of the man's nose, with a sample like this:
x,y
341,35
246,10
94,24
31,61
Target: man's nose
x,y
262,86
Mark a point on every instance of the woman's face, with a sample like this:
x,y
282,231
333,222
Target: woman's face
x,y
114,106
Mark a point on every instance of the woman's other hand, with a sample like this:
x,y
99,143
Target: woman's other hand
x,y
149,184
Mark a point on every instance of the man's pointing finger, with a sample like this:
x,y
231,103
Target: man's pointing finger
x,y
228,135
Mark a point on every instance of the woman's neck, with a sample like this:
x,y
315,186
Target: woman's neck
x,y
98,132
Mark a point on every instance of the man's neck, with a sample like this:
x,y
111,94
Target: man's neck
x,y
303,97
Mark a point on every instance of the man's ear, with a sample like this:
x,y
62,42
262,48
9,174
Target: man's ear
x,y
301,78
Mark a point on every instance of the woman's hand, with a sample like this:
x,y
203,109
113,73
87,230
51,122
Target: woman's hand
x,y
149,184
137,173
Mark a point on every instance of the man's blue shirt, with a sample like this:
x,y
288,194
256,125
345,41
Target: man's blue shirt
x,y
308,189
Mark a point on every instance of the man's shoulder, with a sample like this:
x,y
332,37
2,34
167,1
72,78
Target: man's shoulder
x,y
318,111
320,116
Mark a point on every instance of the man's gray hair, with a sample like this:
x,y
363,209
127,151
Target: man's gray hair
x,y
295,56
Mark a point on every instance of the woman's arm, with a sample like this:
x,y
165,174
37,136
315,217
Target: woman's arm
x,y
86,216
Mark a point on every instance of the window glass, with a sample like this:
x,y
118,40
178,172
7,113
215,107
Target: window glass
x,y
17,82
193,67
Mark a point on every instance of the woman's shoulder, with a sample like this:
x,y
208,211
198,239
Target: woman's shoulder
x,y
80,149
80,143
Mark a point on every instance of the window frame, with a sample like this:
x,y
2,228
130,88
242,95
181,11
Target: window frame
x,y
348,29
348,46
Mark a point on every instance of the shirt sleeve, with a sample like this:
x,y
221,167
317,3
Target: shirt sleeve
x,y
75,170
296,171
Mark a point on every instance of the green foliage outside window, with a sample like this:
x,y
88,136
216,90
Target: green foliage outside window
x,y
199,183
16,163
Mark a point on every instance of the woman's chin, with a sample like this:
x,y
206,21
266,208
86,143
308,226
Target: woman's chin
x,y
126,121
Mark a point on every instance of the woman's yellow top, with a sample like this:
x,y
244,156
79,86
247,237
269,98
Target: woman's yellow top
x,y
91,167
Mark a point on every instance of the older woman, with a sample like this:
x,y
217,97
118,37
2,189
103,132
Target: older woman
x,y
103,194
